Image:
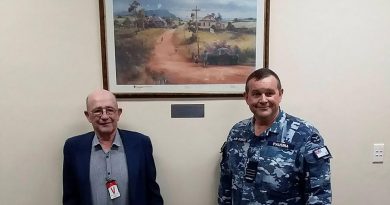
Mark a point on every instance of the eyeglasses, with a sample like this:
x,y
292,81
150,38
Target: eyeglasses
x,y
98,112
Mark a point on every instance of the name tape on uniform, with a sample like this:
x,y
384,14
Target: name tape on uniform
x,y
281,145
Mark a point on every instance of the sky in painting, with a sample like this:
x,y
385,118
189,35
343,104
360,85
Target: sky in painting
x,y
182,8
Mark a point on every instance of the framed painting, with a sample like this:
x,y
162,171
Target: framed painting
x,y
182,48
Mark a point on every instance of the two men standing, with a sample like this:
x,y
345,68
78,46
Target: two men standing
x,y
272,158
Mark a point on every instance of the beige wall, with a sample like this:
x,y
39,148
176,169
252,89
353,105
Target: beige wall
x,y
332,57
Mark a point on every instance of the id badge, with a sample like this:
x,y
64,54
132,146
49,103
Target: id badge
x,y
112,187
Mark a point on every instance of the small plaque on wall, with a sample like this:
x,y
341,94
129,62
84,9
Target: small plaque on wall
x,y
187,110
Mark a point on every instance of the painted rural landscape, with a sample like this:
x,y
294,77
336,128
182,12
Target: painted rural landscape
x,y
180,42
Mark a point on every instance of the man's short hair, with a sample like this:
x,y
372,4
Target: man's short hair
x,y
261,74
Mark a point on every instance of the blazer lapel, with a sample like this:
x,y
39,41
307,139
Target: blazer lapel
x,y
84,158
132,160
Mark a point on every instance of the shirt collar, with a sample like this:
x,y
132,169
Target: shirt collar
x,y
276,127
117,141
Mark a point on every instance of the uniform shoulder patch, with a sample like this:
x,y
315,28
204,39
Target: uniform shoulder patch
x,y
322,153
315,138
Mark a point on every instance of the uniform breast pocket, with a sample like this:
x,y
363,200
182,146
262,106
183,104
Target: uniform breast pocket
x,y
279,172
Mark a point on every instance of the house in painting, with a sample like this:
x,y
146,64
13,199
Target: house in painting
x,y
210,22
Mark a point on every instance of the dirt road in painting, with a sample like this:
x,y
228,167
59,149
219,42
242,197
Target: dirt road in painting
x,y
167,61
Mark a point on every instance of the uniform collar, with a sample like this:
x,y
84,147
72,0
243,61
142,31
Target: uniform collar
x,y
276,127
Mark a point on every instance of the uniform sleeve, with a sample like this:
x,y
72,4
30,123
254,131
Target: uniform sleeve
x,y
317,169
225,183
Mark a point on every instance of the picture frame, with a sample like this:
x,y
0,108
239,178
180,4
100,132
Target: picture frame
x,y
188,50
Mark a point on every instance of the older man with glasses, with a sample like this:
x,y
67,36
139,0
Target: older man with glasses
x,y
109,165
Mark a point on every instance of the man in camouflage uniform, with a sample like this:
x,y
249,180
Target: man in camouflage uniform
x,y
273,158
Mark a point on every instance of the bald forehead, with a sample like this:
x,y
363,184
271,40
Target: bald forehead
x,y
101,98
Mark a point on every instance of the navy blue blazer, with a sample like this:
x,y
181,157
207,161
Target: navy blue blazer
x,y
143,188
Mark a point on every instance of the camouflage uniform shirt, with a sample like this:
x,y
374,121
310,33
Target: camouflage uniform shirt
x,y
287,164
